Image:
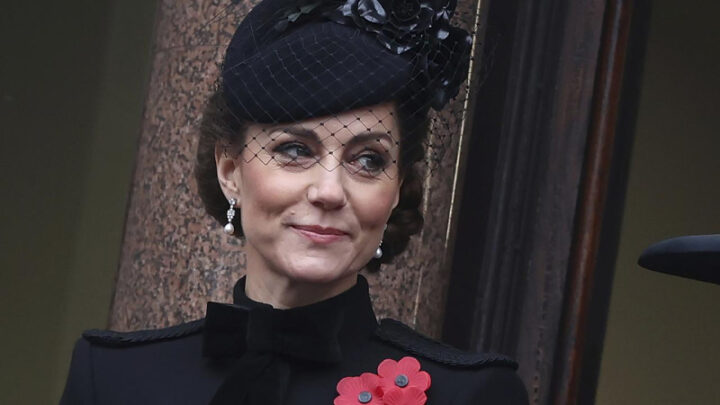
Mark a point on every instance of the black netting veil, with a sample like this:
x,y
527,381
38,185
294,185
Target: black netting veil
x,y
328,71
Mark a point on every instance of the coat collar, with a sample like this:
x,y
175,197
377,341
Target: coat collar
x,y
353,306
319,331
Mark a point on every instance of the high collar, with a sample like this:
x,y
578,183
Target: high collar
x,y
266,340
353,306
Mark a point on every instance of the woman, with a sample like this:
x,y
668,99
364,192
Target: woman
x,y
307,150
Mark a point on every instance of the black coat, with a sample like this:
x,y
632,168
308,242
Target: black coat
x,y
249,353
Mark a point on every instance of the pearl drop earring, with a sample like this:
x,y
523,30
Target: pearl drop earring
x,y
229,227
378,252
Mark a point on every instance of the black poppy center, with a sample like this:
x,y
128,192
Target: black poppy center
x,y
364,397
405,10
402,380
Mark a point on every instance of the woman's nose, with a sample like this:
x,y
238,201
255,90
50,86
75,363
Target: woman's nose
x,y
328,191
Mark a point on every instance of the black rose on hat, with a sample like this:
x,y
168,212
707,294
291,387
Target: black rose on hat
x,y
448,65
295,11
400,25
406,10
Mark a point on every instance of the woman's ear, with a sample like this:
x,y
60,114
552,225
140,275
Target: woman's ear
x,y
228,172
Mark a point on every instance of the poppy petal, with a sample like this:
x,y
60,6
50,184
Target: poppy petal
x,y
415,396
394,397
409,396
421,380
349,386
408,365
387,368
343,401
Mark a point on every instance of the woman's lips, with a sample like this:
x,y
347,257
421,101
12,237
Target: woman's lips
x,y
320,234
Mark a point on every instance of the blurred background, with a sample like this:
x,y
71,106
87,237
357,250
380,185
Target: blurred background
x,y
73,77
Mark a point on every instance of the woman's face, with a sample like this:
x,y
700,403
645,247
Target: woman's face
x,y
315,195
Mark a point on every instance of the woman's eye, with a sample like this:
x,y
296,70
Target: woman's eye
x,y
369,163
290,152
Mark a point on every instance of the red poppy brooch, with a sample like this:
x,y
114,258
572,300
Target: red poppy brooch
x,y
396,383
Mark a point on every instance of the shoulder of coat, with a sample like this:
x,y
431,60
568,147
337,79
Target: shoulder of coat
x,y
111,338
402,336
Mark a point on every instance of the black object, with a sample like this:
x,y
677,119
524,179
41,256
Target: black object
x,y
168,366
695,256
293,60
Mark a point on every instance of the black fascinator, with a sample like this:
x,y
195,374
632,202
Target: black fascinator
x,y
293,60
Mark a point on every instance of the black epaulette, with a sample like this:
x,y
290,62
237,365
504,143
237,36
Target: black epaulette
x,y
124,339
404,337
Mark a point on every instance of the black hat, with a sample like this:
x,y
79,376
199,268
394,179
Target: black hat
x,y
696,257
297,59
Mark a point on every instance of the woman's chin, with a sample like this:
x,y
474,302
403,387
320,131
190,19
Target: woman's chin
x,y
320,271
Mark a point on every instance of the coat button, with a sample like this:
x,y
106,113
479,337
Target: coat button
x,y
364,397
401,380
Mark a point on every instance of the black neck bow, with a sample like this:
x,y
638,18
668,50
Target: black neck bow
x,y
263,339
233,330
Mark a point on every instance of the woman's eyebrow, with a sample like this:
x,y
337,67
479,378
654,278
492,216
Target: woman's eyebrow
x,y
364,137
372,136
301,132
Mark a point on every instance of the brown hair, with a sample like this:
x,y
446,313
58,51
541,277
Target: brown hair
x,y
218,125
